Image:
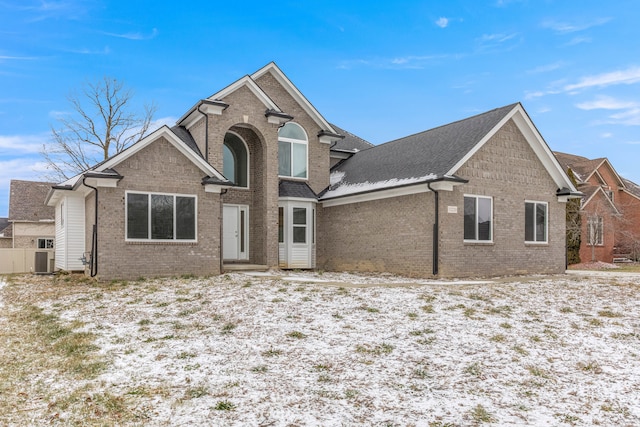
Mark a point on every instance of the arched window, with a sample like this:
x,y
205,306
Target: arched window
x,y
235,160
292,151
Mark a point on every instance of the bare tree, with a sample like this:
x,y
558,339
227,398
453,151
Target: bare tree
x,y
101,125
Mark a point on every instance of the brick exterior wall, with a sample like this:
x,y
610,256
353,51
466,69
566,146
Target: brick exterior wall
x,y
389,235
599,206
506,169
395,234
246,117
628,236
161,168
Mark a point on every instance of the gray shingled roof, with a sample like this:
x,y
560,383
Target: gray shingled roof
x,y
432,152
182,133
26,201
350,141
296,189
631,186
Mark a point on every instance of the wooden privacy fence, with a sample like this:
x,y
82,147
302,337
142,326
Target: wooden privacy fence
x,y
24,261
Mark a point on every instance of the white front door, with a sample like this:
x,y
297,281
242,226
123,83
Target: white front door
x,y
235,239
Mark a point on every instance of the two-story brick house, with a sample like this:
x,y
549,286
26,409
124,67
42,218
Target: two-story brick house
x,y
610,223
254,174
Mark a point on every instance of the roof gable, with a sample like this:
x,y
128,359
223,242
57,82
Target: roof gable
x,y
598,192
105,169
284,81
437,154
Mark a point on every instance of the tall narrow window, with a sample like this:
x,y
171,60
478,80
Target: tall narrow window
x,y
299,225
292,151
535,222
235,160
595,231
280,225
478,218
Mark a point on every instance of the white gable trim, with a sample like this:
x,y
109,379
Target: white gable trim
x,y
277,73
536,142
168,134
191,118
248,82
600,190
615,174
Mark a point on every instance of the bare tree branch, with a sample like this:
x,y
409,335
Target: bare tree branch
x,y
100,125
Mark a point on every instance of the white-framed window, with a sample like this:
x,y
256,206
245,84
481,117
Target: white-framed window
x,y
535,222
161,217
292,151
478,218
62,214
595,231
235,160
45,243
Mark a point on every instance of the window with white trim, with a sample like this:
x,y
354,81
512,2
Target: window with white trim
x,y
162,217
535,222
478,214
292,151
235,160
45,243
595,231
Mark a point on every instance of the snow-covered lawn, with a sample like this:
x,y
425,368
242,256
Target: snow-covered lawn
x,y
340,350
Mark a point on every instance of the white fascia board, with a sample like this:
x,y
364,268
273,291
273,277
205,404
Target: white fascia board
x,y
214,188
196,114
536,142
295,93
168,134
376,195
102,182
328,139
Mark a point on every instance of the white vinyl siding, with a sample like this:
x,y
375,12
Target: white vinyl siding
x,y
70,237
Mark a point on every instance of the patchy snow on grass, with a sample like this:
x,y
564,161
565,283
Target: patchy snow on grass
x,y
269,350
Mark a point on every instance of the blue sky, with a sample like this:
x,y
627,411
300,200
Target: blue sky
x,y
379,69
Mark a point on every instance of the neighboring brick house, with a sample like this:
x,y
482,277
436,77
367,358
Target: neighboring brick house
x,y
254,174
610,210
30,222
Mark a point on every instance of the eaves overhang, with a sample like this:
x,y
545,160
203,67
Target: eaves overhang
x,y
441,183
277,117
328,137
564,194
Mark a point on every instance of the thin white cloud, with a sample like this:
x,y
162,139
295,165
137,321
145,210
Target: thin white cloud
x,y
630,117
569,27
546,68
577,40
498,38
17,58
629,76
15,144
606,135
607,103
442,22
628,112
134,36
